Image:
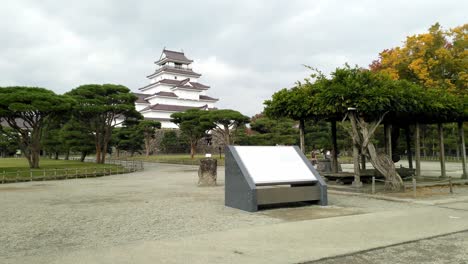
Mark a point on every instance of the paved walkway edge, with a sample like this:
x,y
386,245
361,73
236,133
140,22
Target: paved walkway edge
x,y
292,242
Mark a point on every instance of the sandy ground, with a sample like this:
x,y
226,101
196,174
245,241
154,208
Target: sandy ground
x,y
53,217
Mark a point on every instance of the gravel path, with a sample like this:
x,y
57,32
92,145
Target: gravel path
x,y
161,202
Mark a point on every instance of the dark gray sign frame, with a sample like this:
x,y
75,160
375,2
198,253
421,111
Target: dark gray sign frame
x,y
241,192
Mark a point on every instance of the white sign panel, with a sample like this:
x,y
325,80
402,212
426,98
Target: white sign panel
x,y
270,165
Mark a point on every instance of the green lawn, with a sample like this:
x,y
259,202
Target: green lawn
x,y
17,169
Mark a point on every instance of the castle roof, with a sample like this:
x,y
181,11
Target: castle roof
x,y
185,84
170,69
141,98
172,108
173,56
167,94
207,98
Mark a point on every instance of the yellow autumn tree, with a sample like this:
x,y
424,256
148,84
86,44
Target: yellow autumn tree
x,y
436,59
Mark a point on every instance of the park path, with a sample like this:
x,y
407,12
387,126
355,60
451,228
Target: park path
x,y
160,216
292,242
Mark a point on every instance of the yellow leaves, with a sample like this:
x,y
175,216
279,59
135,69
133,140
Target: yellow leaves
x,y
419,67
436,59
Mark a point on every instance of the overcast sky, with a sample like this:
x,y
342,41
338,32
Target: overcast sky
x,y
246,50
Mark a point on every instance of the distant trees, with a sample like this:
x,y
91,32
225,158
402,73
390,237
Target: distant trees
x,y
225,122
25,110
128,138
265,131
75,136
193,125
100,108
148,130
8,141
173,142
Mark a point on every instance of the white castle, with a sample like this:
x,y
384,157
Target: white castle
x,y
173,87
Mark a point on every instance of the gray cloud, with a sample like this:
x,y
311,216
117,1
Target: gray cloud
x,y
246,50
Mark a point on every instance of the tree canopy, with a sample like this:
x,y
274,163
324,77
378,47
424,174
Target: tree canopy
x,y
25,110
193,126
225,122
101,108
437,59
295,103
266,131
374,94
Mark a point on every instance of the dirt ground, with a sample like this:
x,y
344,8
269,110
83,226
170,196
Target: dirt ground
x,y
48,218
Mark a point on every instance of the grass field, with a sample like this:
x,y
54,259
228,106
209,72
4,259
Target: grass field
x,y
17,169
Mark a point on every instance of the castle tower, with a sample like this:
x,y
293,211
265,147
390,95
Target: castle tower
x,y
173,87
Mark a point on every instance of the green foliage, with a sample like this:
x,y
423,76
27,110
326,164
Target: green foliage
x,y
52,142
148,127
77,137
193,125
374,94
292,103
173,143
25,110
270,132
128,138
318,135
8,141
225,122
102,107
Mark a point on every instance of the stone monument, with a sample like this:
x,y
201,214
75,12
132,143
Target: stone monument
x,y
207,173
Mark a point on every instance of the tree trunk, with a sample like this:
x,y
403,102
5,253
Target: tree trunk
x,y
362,133
461,137
98,154
408,146
363,162
227,136
388,141
417,150
56,155
104,154
192,149
35,147
83,156
147,146
35,158
384,164
334,148
357,172
301,135
67,155
356,143
441,150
